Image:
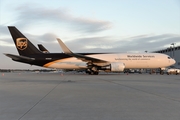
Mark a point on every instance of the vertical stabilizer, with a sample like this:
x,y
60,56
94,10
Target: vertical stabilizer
x,y
23,45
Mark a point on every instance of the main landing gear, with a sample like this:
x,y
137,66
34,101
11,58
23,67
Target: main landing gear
x,y
92,72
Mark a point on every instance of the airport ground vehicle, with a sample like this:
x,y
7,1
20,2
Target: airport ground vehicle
x,y
173,71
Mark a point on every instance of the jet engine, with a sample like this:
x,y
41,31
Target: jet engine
x,y
114,67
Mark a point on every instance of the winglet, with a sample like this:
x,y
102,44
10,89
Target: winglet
x,y
64,47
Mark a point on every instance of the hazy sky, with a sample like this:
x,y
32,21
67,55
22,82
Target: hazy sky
x,y
90,25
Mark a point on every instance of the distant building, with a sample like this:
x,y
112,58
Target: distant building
x,y
173,52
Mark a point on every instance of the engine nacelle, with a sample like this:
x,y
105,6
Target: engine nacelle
x,y
114,67
117,67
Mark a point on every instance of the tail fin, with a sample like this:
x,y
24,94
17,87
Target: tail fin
x,y
23,45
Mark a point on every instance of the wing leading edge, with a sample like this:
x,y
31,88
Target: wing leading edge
x,y
84,58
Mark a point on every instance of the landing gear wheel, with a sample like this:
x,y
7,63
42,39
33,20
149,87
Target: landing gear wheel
x,y
161,72
96,73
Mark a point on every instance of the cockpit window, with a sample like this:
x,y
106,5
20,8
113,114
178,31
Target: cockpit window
x,y
169,57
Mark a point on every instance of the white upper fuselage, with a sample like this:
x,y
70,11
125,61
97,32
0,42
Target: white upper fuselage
x,y
130,60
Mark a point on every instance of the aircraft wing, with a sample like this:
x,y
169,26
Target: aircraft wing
x,y
82,57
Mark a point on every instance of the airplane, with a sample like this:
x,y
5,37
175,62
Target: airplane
x,y
42,48
93,63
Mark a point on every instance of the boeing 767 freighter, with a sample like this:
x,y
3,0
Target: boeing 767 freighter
x,y
91,62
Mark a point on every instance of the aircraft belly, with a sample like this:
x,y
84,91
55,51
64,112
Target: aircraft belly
x,y
137,65
67,65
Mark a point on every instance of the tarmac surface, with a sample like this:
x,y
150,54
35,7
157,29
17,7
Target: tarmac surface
x,y
56,96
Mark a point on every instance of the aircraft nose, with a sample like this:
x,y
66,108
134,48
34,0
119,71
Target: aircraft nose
x,y
173,61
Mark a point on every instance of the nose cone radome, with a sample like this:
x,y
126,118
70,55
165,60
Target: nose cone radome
x,y
173,61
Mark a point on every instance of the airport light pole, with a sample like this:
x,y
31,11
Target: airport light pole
x,y
170,51
173,49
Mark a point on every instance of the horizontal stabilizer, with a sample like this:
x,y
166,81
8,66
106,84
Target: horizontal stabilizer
x,y
18,58
42,48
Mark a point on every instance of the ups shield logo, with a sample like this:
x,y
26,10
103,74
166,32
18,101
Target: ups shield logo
x,y
21,43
